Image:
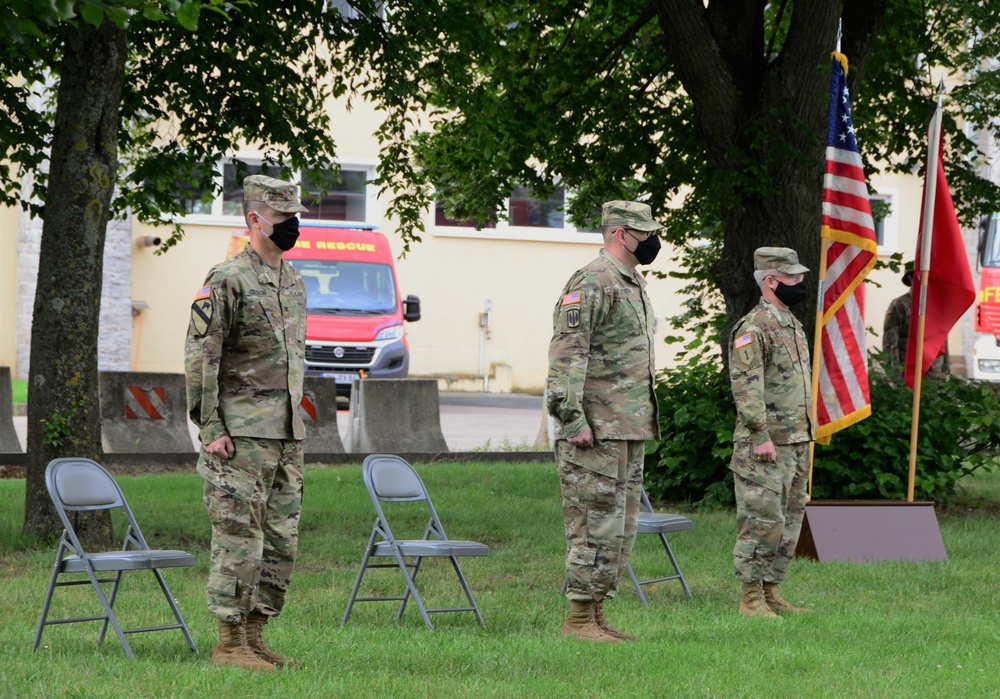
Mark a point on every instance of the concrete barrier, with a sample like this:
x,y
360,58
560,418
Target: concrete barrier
x,y
8,436
395,416
319,412
143,412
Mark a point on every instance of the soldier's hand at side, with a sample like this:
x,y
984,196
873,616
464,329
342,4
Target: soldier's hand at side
x,y
584,439
222,447
765,452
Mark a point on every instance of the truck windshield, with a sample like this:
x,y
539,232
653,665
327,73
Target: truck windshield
x,y
335,287
990,247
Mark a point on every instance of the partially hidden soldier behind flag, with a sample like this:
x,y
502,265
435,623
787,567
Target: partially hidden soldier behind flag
x,y
772,386
600,392
244,364
896,333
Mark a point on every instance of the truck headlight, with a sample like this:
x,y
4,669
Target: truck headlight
x,y
989,366
391,333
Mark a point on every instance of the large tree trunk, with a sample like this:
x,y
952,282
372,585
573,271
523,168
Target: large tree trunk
x,y
762,119
64,411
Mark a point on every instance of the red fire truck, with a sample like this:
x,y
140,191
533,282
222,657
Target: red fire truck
x,y
986,361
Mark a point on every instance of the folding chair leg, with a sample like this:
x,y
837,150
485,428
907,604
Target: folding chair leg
x,y
406,595
357,583
110,613
45,606
111,603
636,584
468,592
412,590
174,609
677,568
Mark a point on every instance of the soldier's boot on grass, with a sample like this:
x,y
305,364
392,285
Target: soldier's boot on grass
x,y
778,603
582,624
752,602
255,639
232,649
604,625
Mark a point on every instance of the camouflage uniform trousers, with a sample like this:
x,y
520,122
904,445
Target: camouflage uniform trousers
x,y
254,501
600,513
769,517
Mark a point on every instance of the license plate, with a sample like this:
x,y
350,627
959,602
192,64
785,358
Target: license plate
x,y
340,378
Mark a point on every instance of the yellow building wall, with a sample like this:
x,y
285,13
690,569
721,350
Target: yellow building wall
x,y
8,287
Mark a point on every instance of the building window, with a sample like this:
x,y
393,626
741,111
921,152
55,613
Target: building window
x,y
441,219
193,200
885,219
232,185
526,210
345,198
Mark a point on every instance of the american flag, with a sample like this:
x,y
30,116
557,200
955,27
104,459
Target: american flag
x,y
843,398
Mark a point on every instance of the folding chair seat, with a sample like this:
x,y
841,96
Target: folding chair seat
x,y
390,479
79,485
660,524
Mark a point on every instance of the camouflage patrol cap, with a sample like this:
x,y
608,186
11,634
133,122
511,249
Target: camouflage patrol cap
x,y
629,214
279,195
784,260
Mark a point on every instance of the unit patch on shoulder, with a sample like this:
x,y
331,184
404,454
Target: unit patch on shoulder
x,y
201,311
742,341
571,298
573,318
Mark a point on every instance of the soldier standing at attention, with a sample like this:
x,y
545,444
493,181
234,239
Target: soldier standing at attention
x,y
244,364
600,392
772,386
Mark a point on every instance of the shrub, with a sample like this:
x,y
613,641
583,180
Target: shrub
x,y
959,434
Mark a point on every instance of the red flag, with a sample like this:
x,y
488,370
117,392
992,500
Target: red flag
x,y
950,289
842,396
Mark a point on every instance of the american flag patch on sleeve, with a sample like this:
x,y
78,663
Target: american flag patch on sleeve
x,y
203,293
742,340
571,298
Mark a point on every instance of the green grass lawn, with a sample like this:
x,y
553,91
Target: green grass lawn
x,y
19,387
879,630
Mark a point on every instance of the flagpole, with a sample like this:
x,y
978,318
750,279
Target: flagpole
x,y
817,350
930,193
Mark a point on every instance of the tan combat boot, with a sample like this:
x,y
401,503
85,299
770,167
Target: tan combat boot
x,y
232,649
581,623
255,639
778,603
604,625
752,603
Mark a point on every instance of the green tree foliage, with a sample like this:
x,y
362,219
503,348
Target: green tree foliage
x,y
721,104
959,434
111,103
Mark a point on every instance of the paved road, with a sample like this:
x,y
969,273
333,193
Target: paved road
x,y
469,421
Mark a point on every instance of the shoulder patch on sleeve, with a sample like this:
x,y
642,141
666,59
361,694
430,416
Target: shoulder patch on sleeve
x,y
203,293
571,298
742,341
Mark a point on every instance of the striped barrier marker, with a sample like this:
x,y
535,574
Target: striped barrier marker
x,y
145,403
307,408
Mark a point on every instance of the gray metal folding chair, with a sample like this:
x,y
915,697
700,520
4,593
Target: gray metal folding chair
x,y
660,524
391,479
78,485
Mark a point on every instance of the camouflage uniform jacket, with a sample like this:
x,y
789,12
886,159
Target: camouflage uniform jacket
x,y
245,351
771,377
601,355
896,337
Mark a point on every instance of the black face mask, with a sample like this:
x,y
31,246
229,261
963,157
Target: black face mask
x,y
647,250
791,295
283,234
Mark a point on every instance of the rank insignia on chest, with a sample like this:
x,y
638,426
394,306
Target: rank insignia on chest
x,y
201,313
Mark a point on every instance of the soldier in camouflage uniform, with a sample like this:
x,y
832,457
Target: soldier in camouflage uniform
x,y
772,385
896,334
600,392
244,365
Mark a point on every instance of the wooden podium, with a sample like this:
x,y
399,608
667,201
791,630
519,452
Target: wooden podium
x,y
870,530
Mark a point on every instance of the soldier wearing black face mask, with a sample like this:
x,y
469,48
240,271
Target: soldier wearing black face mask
x,y
772,386
245,359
